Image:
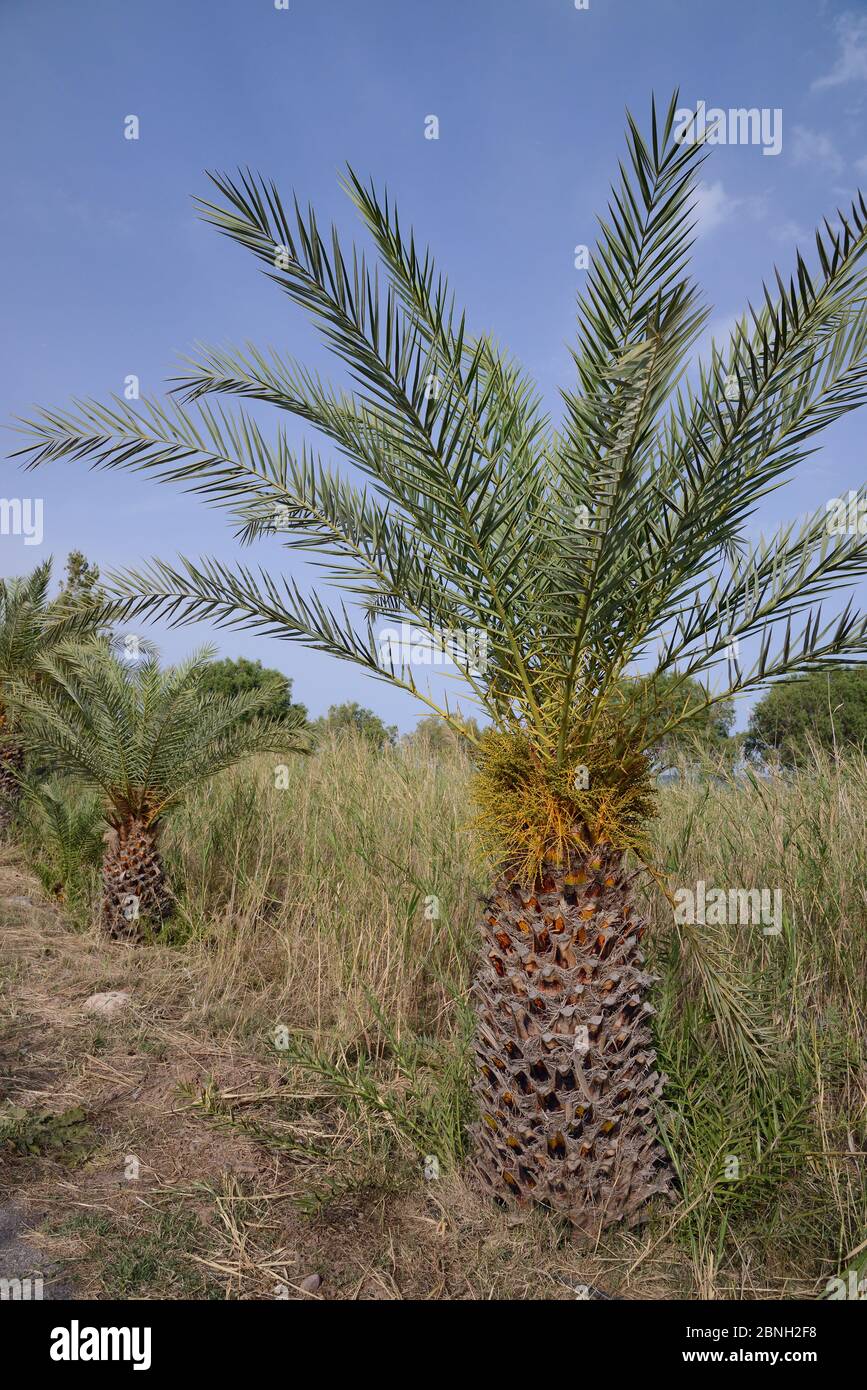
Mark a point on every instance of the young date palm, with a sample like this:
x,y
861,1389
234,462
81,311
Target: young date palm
x,y
143,738
30,624
569,557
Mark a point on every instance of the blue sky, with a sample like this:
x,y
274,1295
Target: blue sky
x,y
105,271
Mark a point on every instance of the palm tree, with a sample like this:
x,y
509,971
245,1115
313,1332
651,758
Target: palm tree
x,y
143,738
30,624
551,563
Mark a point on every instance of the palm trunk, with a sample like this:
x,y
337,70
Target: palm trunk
x,y
134,890
567,1077
11,763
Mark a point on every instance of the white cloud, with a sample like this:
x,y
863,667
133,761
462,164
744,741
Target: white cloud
x,y
790,233
712,207
719,333
813,148
851,64
861,165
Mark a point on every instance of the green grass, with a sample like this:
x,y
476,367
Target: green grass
x,y
62,829
150,1259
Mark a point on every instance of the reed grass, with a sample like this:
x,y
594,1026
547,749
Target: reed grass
x,y
331,920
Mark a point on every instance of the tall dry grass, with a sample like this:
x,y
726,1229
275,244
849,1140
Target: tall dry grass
x,y
347,893
341,910
797,1129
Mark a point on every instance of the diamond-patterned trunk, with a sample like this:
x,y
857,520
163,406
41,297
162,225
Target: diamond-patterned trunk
x,y
134,890
567,1081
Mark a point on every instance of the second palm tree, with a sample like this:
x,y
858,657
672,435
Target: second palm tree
x,y
143,737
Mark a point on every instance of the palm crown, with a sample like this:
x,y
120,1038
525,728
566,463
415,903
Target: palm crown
x,y
575,551
31,623
141,735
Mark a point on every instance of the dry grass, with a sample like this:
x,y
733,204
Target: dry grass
x,y
341,910
352,885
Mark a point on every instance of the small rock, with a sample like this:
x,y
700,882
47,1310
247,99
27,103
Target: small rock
x,y
311,1283
18,901
110,1003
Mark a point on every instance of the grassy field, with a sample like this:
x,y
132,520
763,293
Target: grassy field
x,y
298,1044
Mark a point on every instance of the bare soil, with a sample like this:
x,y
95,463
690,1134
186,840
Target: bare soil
x,y
159,1192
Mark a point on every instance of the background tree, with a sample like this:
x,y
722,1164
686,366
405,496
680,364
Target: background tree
x,y
828,708
81,579
438,736
31,625
668,700
142,737
237,676
563,557
363,721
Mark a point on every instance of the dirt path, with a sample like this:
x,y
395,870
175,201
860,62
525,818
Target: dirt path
x,y
24,1270
150,1154
23,1265
110,1179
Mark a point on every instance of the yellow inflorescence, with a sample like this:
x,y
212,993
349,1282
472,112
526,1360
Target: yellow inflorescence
x,y
530,812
